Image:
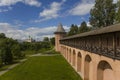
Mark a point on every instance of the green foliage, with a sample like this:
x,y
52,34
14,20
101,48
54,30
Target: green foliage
x,y
52,40
35,47
2,35
83,27
6,55
9,50
5,51
16,51
43,50
29,46
46,39
42,68
118,12
103,13
29,52
73,30
45,44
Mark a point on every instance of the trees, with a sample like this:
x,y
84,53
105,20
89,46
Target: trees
x,y
9,50
52,40
7,57
103,13
5,52
73,30
45,45
118,12
83,27
46,39
2,35
16,51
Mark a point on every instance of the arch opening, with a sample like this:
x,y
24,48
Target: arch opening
x,y
70,55
64,52
87,67
104,71
74,58
67,53
79,61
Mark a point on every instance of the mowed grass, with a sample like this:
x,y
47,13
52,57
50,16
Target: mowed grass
x,y
42,68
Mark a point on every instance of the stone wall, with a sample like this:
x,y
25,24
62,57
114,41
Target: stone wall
x,y
91,66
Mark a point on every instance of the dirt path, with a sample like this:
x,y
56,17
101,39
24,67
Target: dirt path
x,y
39,54
11,67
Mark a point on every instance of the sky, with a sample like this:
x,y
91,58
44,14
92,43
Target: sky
x,y
20,19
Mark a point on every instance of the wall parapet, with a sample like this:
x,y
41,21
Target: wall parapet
x,y
105,41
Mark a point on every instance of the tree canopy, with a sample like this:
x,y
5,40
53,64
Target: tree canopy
x,y
73,30
118,12
103,13
9,50
52,40
83,27
46,39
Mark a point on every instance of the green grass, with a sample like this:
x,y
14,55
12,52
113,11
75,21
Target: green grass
x,y
29,52
51,52
4,67
43,50
42,68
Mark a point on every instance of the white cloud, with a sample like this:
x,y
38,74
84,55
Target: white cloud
x,y
51,12
10,31
35,32
33,3
12,2
82,8
8,3
115,1
88,24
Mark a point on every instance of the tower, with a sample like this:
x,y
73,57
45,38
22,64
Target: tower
x,y
59,34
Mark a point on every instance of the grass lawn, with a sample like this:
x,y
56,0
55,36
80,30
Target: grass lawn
x,y
4,67
42,68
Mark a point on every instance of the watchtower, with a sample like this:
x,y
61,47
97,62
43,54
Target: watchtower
x,y
59,34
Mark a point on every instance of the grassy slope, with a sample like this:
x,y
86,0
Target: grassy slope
x,y
42,68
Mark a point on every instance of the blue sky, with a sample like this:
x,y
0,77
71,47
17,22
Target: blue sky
x,y
39,18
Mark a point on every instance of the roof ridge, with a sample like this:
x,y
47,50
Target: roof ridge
x,y
60,29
